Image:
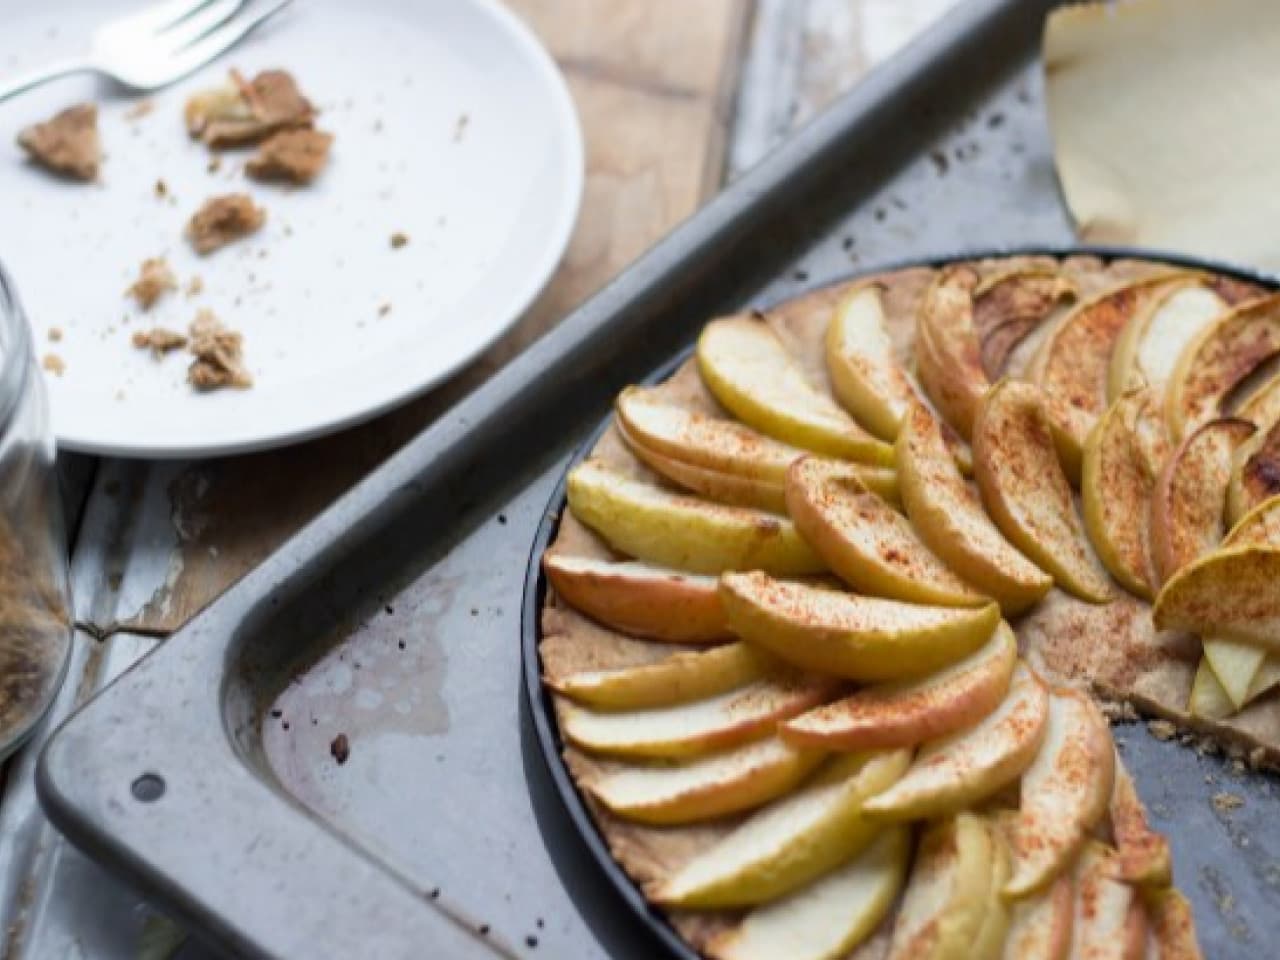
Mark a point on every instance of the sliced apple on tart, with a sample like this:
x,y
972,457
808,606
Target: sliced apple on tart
x,y
1122,458
948,516
647,601
1010,305
1212,365
684,532
957,771
846,635
1106,924
1232,592
792,841
1027,494
829,917
716,785
1255,472
1040,923
948,356
1142,854
910,712
1065,792
698,728
865,541
748,369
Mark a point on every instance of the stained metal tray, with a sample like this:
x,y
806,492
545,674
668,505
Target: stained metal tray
x,y
204,774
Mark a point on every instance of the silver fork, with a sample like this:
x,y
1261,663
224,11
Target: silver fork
x,y
159,44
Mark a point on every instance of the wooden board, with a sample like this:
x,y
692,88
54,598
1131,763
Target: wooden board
x,y
653,81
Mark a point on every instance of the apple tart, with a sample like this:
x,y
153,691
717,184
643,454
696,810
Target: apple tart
x,y
831,609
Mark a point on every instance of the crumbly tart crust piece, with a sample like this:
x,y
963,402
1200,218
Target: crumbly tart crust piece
x,y
1112,648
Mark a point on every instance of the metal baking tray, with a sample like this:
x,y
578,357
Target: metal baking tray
x,y
204,775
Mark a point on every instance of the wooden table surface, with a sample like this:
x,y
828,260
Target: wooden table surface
x,y
674,98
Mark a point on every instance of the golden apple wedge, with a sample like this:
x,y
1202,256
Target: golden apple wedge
x,y
785,845
1262,406
747,368
957,771
1232,592
702,440
675,530
1073,364
865,376
1173,927
643,600
1255,472
680,678
988,942
948,356
1102,925
948,517
1148,347
714,786
1142,854
1065,792
1010,305
831,916
912,711
946,893
1207,699
728,488
1040,924
1122,458
1235,664
698,728
866,542
1213,364
838,633
1026,492
1188,498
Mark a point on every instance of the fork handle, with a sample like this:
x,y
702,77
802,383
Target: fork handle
x,y
52,71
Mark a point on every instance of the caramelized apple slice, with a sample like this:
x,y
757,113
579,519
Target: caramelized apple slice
x,y
679,678
749,370
865,376
694,729
674,530
950,520
639,599
910,712
1040,924
948,358
1103,926
1255,472
1173,927
1026,492
1010,305
721,487
794,840
863,638
1213,364
957,771
947,891
1151,342
1122,457
1187,502
831,916
1232,592
866,542
717,785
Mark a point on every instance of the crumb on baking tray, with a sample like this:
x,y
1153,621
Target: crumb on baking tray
x,y
55,334
1225,802
223,219
159,340
384,309
340,748
246,111
67,143
54,364
154,280
218,355
1162,729
399,239
195,285
161,189
296,156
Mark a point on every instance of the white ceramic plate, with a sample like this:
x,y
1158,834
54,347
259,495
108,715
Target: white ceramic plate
x,y
452,126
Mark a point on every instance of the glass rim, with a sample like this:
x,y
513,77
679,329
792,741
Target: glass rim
x,y
14,363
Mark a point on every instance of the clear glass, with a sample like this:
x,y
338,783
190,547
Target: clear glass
x,y
35,602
